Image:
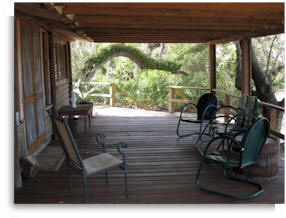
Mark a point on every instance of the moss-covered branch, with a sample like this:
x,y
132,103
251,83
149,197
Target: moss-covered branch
x,y
134,54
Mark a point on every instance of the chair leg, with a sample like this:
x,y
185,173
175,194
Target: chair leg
x,y
185,135
178,127
125,178
260,189
84,188
69,175
201,133
106,177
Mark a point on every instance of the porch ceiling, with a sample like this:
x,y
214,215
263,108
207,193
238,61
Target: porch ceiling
x,y
158,22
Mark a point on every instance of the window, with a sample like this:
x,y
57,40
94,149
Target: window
x,y
60,58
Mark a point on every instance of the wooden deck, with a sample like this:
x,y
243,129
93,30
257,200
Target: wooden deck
x,y
162,169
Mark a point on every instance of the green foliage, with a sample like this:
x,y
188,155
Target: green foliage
x,y
146,62
149,86
84,92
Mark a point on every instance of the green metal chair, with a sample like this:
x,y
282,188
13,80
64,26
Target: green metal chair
x,y
229,158
219,127
242,117
206,108
99,163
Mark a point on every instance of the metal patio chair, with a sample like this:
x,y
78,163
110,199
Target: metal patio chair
x,y
242,117
229,158
99,163
206,108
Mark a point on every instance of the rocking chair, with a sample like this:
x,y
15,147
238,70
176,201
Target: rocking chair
x,y
206,108
250,147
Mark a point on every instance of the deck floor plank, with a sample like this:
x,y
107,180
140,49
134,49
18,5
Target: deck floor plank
x,y
162,169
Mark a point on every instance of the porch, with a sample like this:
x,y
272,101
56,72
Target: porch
x,y
162,169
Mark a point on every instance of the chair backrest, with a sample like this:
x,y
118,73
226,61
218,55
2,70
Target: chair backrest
x,y
254,140
252,106
243,101
205,101
68,142
252,109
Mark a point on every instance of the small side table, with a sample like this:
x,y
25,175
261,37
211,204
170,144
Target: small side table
x,y
84,110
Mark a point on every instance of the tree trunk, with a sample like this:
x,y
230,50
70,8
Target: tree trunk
x,y
263,88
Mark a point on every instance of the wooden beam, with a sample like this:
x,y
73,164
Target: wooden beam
x,y
246,66
212,63
232,10
52,72
58,13
220,21
175,23
69,68
171,97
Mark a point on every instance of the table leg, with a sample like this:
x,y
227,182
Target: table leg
x,y
89,119
85,124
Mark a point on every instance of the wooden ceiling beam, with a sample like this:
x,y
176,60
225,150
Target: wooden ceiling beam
x,y
57,11
160,22
182,21
232,10
174,26
175,20
236,37
158,31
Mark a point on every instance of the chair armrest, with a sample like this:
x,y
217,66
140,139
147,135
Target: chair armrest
x,y
184,106
98,136
106,147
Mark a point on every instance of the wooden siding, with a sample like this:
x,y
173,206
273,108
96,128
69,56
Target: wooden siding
x,y
162,169
62,90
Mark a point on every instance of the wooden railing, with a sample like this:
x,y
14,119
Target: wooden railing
x,y
177,89
112,94
274,109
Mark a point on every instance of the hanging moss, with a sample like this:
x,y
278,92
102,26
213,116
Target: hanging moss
x,y
136,55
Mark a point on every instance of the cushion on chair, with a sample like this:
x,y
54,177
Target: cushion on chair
x,y
100,162
221,157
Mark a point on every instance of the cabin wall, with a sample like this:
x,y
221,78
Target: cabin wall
x,y
62,90
35,59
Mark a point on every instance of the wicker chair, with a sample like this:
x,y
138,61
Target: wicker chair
x,y
100,163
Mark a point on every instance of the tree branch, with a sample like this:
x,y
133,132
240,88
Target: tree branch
x,y
136,55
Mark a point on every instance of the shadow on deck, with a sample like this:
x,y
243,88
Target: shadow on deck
x,y
162,169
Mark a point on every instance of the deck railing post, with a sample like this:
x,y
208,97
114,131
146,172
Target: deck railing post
x,y
112,94
273,118
226,102
171,97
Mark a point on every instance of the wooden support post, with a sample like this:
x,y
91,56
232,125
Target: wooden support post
x,y
246,66
212,62
112,95
69,68
171,104
53,72
226,102
273,121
